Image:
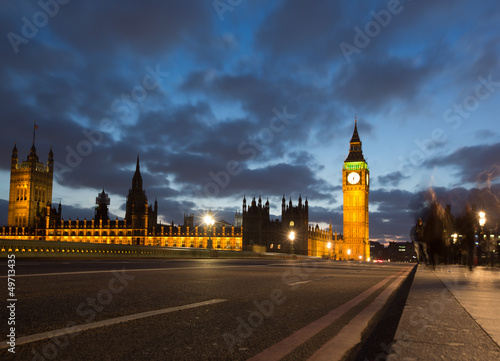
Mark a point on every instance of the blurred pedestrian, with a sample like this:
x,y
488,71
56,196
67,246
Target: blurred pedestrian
x,y
417,236
467,226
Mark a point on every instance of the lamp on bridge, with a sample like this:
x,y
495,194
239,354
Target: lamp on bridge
x,y
291,236
209,221
482,243
482,219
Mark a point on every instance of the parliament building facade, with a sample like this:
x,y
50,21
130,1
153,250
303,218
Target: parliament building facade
x,y
32,217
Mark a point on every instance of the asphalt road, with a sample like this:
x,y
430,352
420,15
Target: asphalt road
x,y
208,309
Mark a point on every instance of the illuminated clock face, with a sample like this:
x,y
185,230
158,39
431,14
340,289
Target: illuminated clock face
x,y
353,178
367,179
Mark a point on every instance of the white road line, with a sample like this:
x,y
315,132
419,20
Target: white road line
x,y
290,343
111,321
350,335
307,281
298,283
128,270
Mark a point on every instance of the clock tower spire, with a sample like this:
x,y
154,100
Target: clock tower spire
x,y
355,188
355,151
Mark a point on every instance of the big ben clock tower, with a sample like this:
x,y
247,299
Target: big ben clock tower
x,y
355,187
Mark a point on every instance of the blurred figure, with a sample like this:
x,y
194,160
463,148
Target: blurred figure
x,y
433,234
417,236
467,226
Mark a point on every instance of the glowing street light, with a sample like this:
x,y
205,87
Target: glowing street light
x,y
482,221
209,221
482,218
291,236
329,245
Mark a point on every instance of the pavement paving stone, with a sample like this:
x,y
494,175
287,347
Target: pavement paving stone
x,y
436,326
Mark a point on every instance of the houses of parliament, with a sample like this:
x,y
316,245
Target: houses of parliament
x,y
32,216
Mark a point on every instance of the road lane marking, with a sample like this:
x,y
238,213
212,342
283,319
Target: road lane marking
x,y
350,335
128,270
290,343
307,281
103,323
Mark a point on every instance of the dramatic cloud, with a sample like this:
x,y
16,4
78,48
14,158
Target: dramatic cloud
x,y
478,164
392,179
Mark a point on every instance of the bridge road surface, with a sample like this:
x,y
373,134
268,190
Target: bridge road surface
x,y
208,309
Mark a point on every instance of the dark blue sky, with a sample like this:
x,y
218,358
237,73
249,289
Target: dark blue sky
x,y
230,98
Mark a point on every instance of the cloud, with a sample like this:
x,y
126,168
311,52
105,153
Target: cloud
x,y
384,81
299,29
478,164
392,179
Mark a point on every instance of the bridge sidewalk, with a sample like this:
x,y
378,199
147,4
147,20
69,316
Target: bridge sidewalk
x,y
451,314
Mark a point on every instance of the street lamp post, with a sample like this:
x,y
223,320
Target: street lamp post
x,y
209,221
329,245
482,243
348,254
292,237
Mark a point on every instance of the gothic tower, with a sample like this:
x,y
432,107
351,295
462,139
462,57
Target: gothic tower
x,y
137,211
30,188
355,187
101,211
296,219
255,223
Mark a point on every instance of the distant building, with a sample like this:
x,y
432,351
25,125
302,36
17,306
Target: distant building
x,y
102,211
296,219
238,219
189,220
260,230
355,188
274,235
138,214
376,250
400,252
30,188
31,216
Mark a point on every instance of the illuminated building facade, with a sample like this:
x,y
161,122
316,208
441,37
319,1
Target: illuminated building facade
x,y
274,235
32,217
30,188
355,188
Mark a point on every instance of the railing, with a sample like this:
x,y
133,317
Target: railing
x,y
57,249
